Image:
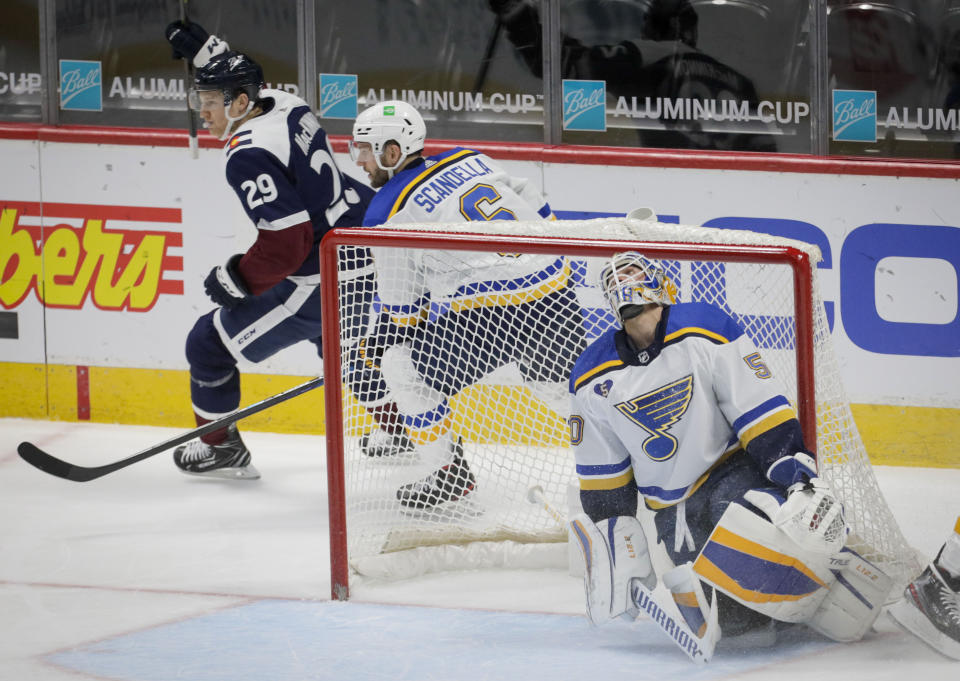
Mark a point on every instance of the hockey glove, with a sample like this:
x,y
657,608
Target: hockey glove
x,y
191,41
789,470
385,334
225,285
808,511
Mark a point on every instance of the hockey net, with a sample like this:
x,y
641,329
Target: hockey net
x,y
514,429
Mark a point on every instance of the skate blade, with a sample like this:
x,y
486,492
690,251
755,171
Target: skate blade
x,y
247,472
913,621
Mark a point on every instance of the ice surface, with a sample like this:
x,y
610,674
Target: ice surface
x,y
149,574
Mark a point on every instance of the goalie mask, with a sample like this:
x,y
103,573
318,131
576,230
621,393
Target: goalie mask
x,y
385,122
630,281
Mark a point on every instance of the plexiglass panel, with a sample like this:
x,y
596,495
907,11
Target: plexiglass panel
x,y
116,67
671,74
20,81
451,60
894,77
689,74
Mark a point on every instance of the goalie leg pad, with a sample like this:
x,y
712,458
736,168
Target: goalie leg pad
x,y
758,565
614,553
854,600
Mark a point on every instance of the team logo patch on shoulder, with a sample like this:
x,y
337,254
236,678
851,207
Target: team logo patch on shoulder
x,y
658,410
241,139
603,389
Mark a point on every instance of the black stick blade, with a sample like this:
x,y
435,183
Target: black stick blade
x,y
38,458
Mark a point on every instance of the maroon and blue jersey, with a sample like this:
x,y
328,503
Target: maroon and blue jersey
x,y
282,168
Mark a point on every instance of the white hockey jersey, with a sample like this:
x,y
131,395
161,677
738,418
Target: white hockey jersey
x,y
459,185
666,417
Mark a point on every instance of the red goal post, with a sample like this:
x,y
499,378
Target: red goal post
x,y
724,248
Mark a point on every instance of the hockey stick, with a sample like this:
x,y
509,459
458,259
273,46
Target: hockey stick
x,y
536,496
48,463
697,648
487,56
188,68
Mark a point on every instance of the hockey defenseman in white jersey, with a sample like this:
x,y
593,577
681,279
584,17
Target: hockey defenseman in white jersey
x,y
495,308
677,406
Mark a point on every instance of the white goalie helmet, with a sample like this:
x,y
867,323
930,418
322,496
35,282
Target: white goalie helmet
x,y
390,120
632,279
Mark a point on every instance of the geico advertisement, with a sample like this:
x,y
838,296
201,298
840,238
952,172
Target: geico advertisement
x,y
119,252
890,246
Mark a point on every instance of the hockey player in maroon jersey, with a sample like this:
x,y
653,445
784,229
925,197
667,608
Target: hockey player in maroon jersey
x,y
280,165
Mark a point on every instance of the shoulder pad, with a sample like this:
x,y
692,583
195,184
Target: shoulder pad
x,y
701,320
600,357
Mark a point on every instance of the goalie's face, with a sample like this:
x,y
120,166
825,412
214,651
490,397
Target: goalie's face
x,y
632,283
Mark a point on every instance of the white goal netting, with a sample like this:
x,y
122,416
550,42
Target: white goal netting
x,y
503,379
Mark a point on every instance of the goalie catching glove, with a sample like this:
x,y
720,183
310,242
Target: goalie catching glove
x,y
191,41
225,284
809,513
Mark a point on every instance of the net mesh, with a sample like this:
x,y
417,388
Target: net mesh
x,y
507,393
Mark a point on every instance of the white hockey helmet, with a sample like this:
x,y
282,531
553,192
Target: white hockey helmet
x,y
392,120
631,279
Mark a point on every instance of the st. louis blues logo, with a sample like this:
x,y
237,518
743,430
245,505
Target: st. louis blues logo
x,y
656,411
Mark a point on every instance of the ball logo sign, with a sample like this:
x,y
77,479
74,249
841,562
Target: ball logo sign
x,y
80,85
854,116
584,105
338,95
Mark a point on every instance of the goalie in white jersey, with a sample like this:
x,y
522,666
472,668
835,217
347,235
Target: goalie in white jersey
x,y
450,318
677,406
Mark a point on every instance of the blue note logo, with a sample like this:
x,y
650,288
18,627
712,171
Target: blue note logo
x,y
338,95
854,116
80,85
584,105
655,412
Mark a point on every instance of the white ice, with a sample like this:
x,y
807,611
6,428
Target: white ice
x,y
147,574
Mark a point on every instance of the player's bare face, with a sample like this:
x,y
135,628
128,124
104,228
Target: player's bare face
x,y
212,113
368,161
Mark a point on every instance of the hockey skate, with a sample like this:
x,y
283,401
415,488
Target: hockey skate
x,y
930,610
229,460
449,483
380,442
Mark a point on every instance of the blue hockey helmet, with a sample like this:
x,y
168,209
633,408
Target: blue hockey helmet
x,y
630,279
231,73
